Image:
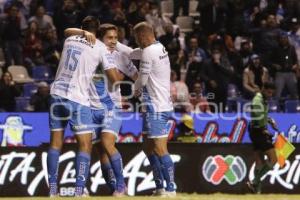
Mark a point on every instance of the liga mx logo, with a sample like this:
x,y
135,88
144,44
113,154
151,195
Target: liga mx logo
x,y
217,168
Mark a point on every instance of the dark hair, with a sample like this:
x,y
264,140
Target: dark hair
x,y
90,23
269,85
103,28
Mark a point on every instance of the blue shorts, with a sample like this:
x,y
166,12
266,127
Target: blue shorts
x,y
108,121
64,111
155,125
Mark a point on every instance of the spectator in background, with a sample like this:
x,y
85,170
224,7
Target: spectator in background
x,y
267,40
254,76
170,41
139,15
51,49
159,23
217,73
177,5
8,92
11,36
213,16
221,40
198,102
41,100
122,35
68,16
285,64
44,21
294,36
33,46
119,18
178,64
196,56
180,94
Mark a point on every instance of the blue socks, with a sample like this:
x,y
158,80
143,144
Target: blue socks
x,y
109,176
168,172
157,171
117,166
52,163
82,171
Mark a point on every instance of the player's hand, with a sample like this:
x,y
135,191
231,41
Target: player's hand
x,y
90,37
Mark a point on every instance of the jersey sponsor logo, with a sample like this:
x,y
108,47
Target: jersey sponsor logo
x,y
163,57
230,168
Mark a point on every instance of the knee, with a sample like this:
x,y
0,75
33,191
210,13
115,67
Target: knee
x,y
107,144
56,144
160,150
85,146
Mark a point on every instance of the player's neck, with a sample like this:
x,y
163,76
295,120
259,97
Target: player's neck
x,y
149,42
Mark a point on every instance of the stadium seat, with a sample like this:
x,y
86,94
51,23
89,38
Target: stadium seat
x,y
22,104
193,9
19,74
167,8
41,73
292,106
29,89
273,106
185,23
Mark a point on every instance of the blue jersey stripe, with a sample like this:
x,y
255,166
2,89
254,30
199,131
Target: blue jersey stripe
x,y
147,100
104,95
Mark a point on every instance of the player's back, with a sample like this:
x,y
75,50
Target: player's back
x,y
77,65
157,92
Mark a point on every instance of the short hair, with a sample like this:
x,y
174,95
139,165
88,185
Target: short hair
x,y
269,85
143,27
103,28
90,23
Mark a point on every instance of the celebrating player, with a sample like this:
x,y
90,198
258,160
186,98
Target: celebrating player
x,y
70,102
109,119
154,84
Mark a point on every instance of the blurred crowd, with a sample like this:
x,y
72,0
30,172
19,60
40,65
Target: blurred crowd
x,y
234,46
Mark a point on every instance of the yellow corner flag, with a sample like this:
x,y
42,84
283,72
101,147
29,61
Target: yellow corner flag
x,y
283,149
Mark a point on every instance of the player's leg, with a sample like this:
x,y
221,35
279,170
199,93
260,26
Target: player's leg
x,y
112,123
58,120
159,135
155,164
167,165
54,150
83,159
148,147
106,168
262,142
82,123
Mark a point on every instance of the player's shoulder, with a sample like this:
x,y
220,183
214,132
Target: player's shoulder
x,y
100,44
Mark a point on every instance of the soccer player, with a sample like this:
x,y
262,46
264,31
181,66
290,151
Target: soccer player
x,y
154,84
109,119
70,102
260,136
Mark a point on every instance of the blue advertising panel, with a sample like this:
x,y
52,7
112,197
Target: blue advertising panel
x,y
32,129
